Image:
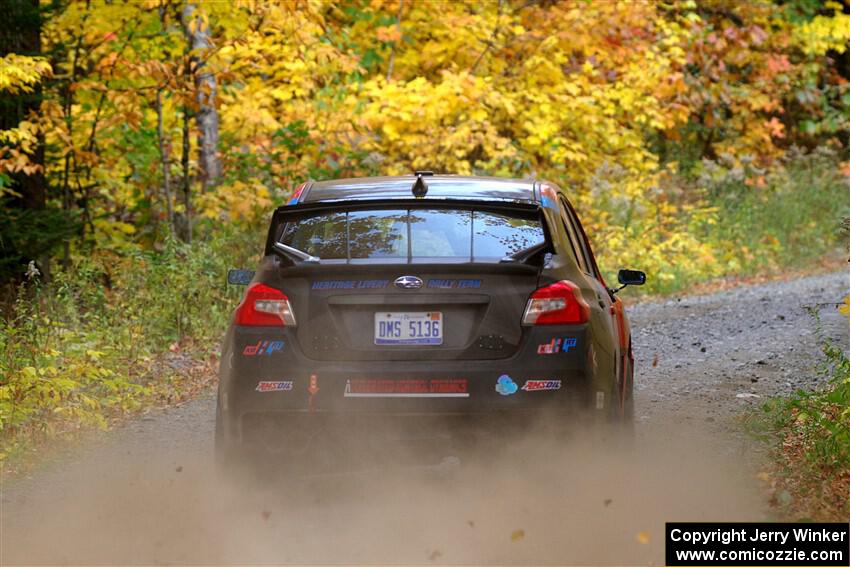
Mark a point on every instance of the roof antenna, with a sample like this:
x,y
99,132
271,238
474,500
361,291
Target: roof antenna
x,y
420,189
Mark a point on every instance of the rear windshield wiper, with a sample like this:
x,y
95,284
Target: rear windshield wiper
x,y
526,254
294,254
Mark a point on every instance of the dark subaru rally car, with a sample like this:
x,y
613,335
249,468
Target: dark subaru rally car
x,y
423,296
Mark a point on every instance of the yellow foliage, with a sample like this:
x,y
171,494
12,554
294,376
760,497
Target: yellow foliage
x,y
581,93
825,33
18,73
235,201
844,309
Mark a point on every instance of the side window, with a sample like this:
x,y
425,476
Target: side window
x,y
582,242
575,240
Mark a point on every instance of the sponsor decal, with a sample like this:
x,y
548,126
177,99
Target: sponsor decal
x,y
454,284
408,282
264,386
313,388
539,385
263,348
505,385
388,388
350,284
548,203
557,345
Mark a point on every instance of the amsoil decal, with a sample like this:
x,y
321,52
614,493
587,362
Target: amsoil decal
x,y
350,284
454,284
262,348
387,388
557,345
540,385
274,386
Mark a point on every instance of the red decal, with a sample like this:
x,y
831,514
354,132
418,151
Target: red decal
x,y
538,385
449,386
313,389
385,387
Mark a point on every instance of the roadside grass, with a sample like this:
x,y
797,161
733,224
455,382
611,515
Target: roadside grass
x,y
751,223
114,335
809,432
125,329
792,217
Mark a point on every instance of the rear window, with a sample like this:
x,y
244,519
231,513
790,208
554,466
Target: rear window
x,y
412,233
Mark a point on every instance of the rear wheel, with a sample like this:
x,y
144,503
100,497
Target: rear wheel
x,y
227,455
627,398
621,409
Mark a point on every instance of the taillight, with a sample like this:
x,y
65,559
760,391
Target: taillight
x,y
558,304
265,306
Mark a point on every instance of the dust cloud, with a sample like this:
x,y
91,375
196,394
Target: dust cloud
x,y
526,497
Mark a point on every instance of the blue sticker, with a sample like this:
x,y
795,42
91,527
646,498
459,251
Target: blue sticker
x,y
267,348
505,385
548,203
454,284
350,284
557,345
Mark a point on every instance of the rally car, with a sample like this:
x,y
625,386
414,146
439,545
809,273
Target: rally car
x,y
421,297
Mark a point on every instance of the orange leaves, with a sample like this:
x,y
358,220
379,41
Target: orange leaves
x,y
586,93
778,63
741,75
388,34
15,161
775,128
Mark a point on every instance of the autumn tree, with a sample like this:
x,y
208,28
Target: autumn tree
x,y
197,31
622,102
29,226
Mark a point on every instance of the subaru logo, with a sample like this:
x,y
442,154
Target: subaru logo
x,y
408,282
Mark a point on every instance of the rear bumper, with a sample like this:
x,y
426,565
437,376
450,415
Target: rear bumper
x,y
265,378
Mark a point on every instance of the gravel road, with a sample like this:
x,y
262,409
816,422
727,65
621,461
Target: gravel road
x,y
708,357
146,493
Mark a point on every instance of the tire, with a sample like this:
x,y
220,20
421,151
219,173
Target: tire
x,y
229,458
628,410
621,414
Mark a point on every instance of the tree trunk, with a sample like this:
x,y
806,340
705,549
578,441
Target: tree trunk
x,y
184,158
165,159
187,185
392,48
198,36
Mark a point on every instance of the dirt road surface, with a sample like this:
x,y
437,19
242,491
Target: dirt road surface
x,y
147,493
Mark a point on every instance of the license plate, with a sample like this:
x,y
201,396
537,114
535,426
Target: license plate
x,y
405,328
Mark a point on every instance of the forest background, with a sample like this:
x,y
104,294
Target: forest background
x,y
143,145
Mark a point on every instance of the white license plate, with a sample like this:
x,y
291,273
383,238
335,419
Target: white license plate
x,y
405,328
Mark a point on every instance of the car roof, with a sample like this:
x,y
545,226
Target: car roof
x,y
439,186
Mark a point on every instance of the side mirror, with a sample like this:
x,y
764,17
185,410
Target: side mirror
x,y
629,277
240,277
